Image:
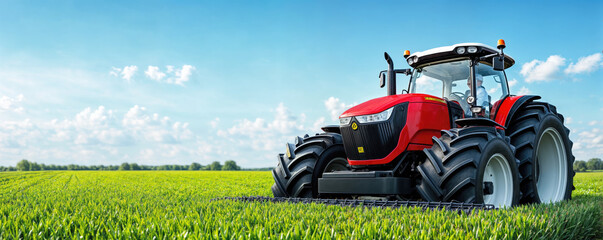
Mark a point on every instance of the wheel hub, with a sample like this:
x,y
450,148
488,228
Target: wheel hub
x,y
337,164
488,188
498,182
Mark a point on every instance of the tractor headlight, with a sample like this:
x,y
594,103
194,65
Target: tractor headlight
x,y
460,50
345,121
378,117
471,49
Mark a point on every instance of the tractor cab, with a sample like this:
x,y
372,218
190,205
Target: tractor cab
x,y
451,81
448,72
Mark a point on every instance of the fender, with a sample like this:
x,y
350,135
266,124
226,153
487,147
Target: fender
x,y
507,107
469,122
331,129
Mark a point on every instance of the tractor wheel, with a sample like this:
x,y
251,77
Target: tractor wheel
x,y
298,170
545,153
473,165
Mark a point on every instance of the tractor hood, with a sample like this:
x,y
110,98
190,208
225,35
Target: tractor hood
x,y
381,104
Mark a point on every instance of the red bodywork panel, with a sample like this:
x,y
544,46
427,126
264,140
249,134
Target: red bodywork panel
x,y
381,104
502,108
427,115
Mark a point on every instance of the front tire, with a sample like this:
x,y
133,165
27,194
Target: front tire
x,y
544,151
473,165
298,170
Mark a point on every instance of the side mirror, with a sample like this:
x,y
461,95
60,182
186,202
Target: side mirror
x,y
382,79
498,63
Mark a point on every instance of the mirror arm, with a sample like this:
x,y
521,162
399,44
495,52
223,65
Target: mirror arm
x,y
488,56
406,71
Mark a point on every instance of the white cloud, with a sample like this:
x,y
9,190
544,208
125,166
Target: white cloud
x,y
17,134
336,107
11,104
265,136
587,143
585,64
592,123
182,75
154,128
493,90
429,84
512,83
259,140
284,122
537,70
172,75
170,69
569,120
524,91
318,124
153,73
103,127
115,71
95,136
126,73
214,123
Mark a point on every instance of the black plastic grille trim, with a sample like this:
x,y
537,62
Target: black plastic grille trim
x,y
377,139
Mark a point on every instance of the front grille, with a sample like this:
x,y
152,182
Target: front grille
x,y
377,140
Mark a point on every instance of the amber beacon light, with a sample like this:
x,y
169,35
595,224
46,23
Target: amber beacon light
x,y
501,44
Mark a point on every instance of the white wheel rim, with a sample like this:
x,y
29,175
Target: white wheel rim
x,y
551,167
498,172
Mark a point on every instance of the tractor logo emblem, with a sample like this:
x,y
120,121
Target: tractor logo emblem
x,y
360,150
354,126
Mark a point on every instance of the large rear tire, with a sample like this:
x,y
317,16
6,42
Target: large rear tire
x,y
473,165
298,170
545,153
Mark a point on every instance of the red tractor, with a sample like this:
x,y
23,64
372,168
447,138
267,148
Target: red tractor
x,y
456,134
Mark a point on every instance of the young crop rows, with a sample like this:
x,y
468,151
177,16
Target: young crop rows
x,y
167,205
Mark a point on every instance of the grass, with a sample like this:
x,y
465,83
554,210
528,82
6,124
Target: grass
x,y
167,205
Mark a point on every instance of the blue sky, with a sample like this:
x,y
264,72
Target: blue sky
x,y
175,82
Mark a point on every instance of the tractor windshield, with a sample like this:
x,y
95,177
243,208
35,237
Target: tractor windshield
x,y
450,81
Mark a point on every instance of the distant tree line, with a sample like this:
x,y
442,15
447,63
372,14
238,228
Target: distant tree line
x,y
25,165
591,164
230,165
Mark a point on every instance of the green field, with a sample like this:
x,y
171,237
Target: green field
x,y
176,204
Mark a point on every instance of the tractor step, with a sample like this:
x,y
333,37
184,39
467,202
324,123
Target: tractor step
x,y
459,207
364,183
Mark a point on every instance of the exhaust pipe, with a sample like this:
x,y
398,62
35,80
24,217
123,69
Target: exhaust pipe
x,y
391,75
